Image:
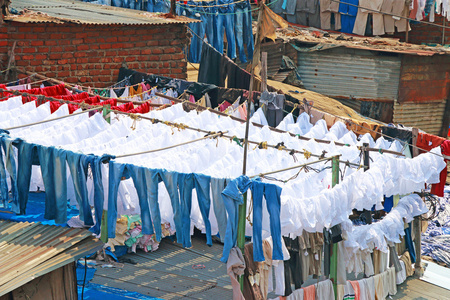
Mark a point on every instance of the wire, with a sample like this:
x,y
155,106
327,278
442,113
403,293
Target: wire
x,y
225,14
389,14
215,5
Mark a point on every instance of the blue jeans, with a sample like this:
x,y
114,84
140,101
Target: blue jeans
x,y
54,175
202,187
272,194
409,243
27,153
150,5
232,198
170,180
217,186
225,23
99,193
6,144
208,21
79,182
195,48
135,4
186,185
117,3
138,174
244,34
161,6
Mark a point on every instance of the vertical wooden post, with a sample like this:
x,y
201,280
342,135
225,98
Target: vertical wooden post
x,y
104,227
263,71
243,207
417,224
407,26
334,254
366,156
443,32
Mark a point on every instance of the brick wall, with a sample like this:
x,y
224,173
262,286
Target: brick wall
x,y
423,33
93,54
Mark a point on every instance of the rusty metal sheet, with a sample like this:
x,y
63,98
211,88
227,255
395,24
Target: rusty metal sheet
x,y
29,250
77,12
424,115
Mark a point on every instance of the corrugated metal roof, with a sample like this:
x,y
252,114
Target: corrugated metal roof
x,y
63,11
29,250
347,73
424,115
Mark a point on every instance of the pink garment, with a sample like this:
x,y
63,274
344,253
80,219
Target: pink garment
x,y
192,98
309,292
243,111
355,285
144,87
224,106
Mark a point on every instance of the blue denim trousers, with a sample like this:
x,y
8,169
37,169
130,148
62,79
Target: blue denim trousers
x,y
79,178
225,23
27,153
244,34
150,5
186,185
170,180
117,3
99,192
144,190
232,198
195,49
202,187
272,193
135,4
217,186
54,175
6,144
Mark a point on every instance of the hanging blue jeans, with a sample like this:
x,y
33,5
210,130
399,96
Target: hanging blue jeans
x,y
138,174
152,178
232,198
6,144
150,5
135,4
27,154
186,185
202,187
170,180
409,243
79,183
208,19
196,44
217,186
126,3
161,6
54,175
99,192
117,3
244,34
225,23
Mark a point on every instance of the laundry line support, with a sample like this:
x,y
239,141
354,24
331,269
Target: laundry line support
x,y
49,120
334,254
202,108
172,146
295,167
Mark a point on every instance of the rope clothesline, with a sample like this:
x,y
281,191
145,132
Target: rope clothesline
x,y
392,15
173,146
50,120
199,107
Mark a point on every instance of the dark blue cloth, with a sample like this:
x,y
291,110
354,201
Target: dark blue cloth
x,y
388,203
409,243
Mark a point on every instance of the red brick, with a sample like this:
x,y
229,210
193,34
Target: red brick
x,y
55,56
82,47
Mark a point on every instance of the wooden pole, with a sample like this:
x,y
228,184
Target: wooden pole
x,y
417,224
443,32
263,71
334,254
366,155
243,206
407,27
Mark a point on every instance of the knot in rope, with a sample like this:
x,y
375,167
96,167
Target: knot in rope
x,y
323,154
293,155
262,145
306,153
83,105
135,118
16,93
280,146
238,141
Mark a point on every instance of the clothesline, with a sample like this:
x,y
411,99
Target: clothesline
x,y
393,15
208,136
50,120
215,5
382,134
199,107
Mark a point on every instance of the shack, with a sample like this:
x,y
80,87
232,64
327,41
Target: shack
x,y
380,78
38,261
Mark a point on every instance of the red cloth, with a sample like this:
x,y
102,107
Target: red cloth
x,y
55,90
355,285
124,107
438,188
224,106
141,109
428,141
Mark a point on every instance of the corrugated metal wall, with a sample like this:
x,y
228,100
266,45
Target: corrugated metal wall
x,y
275,51
424,115
351,73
